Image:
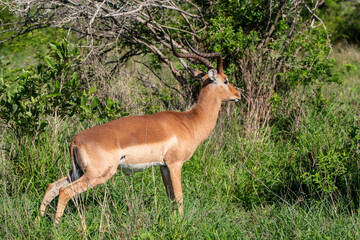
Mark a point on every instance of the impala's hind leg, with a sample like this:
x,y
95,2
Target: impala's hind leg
x,y
69,191
75,188
51,192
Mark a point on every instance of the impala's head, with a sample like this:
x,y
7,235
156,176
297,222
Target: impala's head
x,y
220,83
214,78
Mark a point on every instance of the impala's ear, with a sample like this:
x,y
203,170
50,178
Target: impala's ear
x,y
212,73
197,73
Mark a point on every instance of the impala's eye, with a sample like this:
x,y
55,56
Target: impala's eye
x,y
226,81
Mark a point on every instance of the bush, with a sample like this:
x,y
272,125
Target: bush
x,y
270,50
342,19
52,88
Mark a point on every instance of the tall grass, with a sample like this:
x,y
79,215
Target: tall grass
x,y
292,185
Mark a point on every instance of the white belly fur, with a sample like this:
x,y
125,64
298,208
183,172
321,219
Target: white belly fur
x,y
138,158
130,169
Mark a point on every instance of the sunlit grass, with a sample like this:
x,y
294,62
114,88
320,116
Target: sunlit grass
x,y
234,187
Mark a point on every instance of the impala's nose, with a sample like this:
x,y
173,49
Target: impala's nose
x,y
237,96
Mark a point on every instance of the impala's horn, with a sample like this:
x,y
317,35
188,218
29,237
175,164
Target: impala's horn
x,y
190,55
208,55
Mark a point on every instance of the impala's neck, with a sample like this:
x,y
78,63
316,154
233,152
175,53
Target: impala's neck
x,y
204,114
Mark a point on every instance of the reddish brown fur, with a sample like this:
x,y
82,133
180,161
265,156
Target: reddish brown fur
x,y
168,138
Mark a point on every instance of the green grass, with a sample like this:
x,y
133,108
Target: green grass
x,y
299,182
138,208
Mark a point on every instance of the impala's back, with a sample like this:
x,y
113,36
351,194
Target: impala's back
x,y
133,143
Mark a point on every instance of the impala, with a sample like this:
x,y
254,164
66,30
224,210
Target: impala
x,y
166,139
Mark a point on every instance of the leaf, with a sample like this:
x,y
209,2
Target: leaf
x,y
13,88
86,108
83,101
60,54
53,45
57,84
94,103
52,95
14,108
48,62
109,102
75,76
92,90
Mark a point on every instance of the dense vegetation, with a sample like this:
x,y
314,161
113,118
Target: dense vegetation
x,y
283,163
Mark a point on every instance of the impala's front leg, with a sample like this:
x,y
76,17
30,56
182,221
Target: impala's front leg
x,y
175,183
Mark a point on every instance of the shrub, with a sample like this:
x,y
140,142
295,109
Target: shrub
x,y
271,50
343,20
52,88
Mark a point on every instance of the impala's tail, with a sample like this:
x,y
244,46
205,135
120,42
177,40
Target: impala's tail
x,y
76,171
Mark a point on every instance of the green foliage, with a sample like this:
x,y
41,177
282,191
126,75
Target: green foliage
x,y
51,88
271,52
329,167
238,28
299,180
342,19
150,103
302,183
255,184
27,48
